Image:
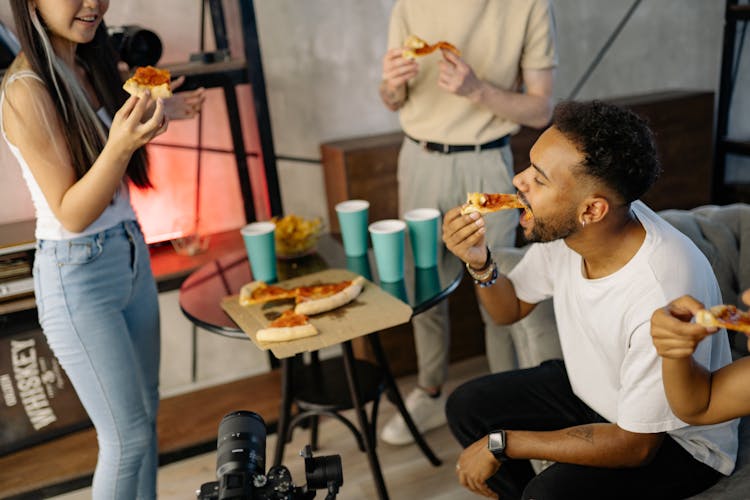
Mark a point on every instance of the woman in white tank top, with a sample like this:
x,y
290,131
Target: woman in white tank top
x,y
95,294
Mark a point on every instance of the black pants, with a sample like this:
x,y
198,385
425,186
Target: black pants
x,y
541,399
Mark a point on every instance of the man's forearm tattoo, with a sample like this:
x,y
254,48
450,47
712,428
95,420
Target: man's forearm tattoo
x,y
394,99
585,432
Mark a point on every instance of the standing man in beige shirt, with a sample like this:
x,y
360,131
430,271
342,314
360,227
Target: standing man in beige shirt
x,y
458,113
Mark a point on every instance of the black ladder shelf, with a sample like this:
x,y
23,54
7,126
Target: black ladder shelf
x,y
735,14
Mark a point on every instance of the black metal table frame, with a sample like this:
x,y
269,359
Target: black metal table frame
x,y
366,426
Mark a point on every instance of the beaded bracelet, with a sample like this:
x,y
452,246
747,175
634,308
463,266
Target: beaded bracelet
x,y
491,281
487,271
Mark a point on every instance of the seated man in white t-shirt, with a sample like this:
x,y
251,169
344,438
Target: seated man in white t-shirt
x,y
608,262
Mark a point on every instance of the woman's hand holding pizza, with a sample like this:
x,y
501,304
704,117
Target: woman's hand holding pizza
x,y
133,126
672,332
463,235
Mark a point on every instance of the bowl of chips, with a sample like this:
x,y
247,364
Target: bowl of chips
x,y
296,236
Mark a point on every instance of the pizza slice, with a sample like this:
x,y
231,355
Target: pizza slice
x,y
259,292
311,299
416,47
289,326
485,203
318,299
149,78
724,316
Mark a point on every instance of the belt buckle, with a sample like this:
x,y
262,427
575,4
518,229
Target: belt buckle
x,y
446,149
477,148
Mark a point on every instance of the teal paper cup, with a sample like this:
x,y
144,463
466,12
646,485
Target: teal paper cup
x,y
352,216
424,225
388,245
261,250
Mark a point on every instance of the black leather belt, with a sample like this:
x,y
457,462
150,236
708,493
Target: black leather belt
x,y
460,148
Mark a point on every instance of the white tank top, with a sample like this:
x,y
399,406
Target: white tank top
x,y
47,225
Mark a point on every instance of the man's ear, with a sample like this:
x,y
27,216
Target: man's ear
x,y
595,208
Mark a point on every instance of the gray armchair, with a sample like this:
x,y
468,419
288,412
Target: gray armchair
x,y
723,234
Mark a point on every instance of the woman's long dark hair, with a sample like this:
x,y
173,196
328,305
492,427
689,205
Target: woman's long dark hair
x,y
84,134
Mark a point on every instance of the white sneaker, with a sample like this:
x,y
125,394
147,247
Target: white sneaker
x,y
427,413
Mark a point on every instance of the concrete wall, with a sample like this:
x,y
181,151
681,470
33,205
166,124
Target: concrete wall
x,y
322,65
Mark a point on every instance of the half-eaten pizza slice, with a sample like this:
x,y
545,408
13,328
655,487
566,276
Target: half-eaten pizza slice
x,y
724,316
485,203
289,326
416,47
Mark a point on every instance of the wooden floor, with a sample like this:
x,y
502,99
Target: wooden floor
x,y
188,426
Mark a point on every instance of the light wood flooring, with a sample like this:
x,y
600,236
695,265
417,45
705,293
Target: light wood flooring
x,y
408,474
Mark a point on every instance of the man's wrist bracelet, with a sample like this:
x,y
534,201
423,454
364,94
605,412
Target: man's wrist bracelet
x,y
484,267
487,275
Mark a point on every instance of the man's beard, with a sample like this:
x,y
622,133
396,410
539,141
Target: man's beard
x,y
552,229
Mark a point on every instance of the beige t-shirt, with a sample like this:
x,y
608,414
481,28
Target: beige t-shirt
x,y
497,38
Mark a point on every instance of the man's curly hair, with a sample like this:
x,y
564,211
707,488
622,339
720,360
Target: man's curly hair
x,y
617,145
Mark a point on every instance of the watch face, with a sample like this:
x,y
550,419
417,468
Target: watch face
x,y
496,442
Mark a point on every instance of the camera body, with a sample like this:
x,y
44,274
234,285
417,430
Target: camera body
x,y
240,466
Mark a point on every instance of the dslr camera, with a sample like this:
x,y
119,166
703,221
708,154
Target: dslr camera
x,y
240,466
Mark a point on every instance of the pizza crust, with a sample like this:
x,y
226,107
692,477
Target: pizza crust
x,y
704,317
157,91
324,304
285,333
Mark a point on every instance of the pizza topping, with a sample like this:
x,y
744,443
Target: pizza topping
x,y
289,318
147,78
150,76
258,292
492,202
416,47
318,291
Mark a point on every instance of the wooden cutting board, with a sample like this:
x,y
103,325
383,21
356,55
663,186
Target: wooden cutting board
x,y
373,310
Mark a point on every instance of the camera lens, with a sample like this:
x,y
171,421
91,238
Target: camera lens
x,y
241,446
136,46
320,471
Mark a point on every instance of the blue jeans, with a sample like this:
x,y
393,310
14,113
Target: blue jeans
x,y
98,308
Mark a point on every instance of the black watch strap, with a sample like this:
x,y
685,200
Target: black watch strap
x,y
496,443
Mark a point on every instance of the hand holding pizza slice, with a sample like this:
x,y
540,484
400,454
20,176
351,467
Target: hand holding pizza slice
x,y
155,80
724,316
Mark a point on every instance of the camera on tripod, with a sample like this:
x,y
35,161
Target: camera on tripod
x,y
240,466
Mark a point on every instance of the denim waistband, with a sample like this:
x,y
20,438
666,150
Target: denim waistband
x,y
130,227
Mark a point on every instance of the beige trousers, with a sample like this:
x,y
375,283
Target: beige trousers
x,y
434,180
